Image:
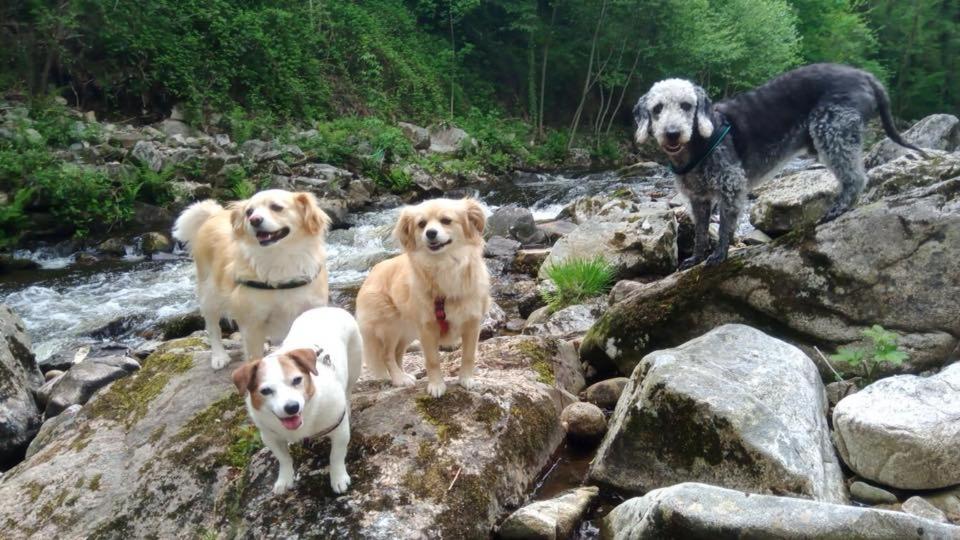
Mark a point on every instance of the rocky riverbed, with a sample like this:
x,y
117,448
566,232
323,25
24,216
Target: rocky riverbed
x,y
683,405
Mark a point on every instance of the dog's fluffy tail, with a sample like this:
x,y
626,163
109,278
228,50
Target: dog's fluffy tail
x,y
883,106
190,221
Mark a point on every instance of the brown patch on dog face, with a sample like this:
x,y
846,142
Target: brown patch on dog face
x,y
238,217
475,220
315,220
405,230
247,380
299,362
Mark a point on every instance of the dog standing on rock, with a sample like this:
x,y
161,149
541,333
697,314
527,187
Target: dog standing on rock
x,y
260,261
438,290
719,152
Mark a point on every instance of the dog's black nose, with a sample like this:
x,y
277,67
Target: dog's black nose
x,y
672,135
256,221
291,408
431,233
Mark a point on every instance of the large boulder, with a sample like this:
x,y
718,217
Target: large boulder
x,y
19,375
937,132
419,137
516,222
797,200
891,262
446,139
702,511
735,408
169,451
568,322
903,431
643,242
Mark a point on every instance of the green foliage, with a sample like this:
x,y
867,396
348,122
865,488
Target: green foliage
x,y
883,350
84,197
578,280
13,218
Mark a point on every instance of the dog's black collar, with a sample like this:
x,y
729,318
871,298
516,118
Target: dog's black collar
x,y
712,144
263,285
335,426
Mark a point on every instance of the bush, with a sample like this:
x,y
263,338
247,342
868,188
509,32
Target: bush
x,y
578,280
85,198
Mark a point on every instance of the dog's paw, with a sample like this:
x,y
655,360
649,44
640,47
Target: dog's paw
x,y
436,389
339,482
217,361
404,379
715,259
282,485
689,262
468,382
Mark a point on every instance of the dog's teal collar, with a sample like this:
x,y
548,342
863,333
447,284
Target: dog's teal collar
x,y
714,142
263,285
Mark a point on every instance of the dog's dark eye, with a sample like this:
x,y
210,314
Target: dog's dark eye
x,y
276,208
657,108
422,224
296,381
686,106
446,221
266,391
249,212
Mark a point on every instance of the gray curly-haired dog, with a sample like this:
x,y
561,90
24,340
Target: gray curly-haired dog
x,y
719,152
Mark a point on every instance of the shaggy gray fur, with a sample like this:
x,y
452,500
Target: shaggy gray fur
x,y
821,108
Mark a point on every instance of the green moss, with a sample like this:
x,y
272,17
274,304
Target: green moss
x,y
488,413
157,434
118,527
50,507
440,413
95,482
540,360
82,438
127,400
217,436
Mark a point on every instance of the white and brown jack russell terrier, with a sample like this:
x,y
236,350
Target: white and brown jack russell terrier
x,y
303,390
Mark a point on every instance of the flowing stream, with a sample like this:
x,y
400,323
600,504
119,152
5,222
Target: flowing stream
x,y
66,304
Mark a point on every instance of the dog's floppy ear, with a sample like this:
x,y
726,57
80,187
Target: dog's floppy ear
x,y
642,117
315,220
704,113
238,217
476,219
245,376
405,230
306,359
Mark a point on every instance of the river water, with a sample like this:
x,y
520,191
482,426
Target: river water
x,y
67,304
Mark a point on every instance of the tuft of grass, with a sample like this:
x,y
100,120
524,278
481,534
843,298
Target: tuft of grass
x,y
866,360
578,280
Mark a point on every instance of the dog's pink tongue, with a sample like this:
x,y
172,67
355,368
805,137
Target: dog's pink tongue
x,y
291,422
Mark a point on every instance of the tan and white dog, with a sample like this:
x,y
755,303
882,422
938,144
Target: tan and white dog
x,y
438,290
261,262
303,390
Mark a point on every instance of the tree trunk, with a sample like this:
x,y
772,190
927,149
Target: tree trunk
x,y
532,79
543,69
588,80
623,91
453,49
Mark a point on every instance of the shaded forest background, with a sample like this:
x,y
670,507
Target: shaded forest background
x,y
575,65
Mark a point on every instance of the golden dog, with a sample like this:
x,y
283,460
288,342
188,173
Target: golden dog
x,y
438,290
261,262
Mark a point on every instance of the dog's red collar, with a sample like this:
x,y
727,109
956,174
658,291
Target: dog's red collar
x,y
439,310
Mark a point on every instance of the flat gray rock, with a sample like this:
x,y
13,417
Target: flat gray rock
x,y
703,511
794,201
78,384
552,519
734,407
